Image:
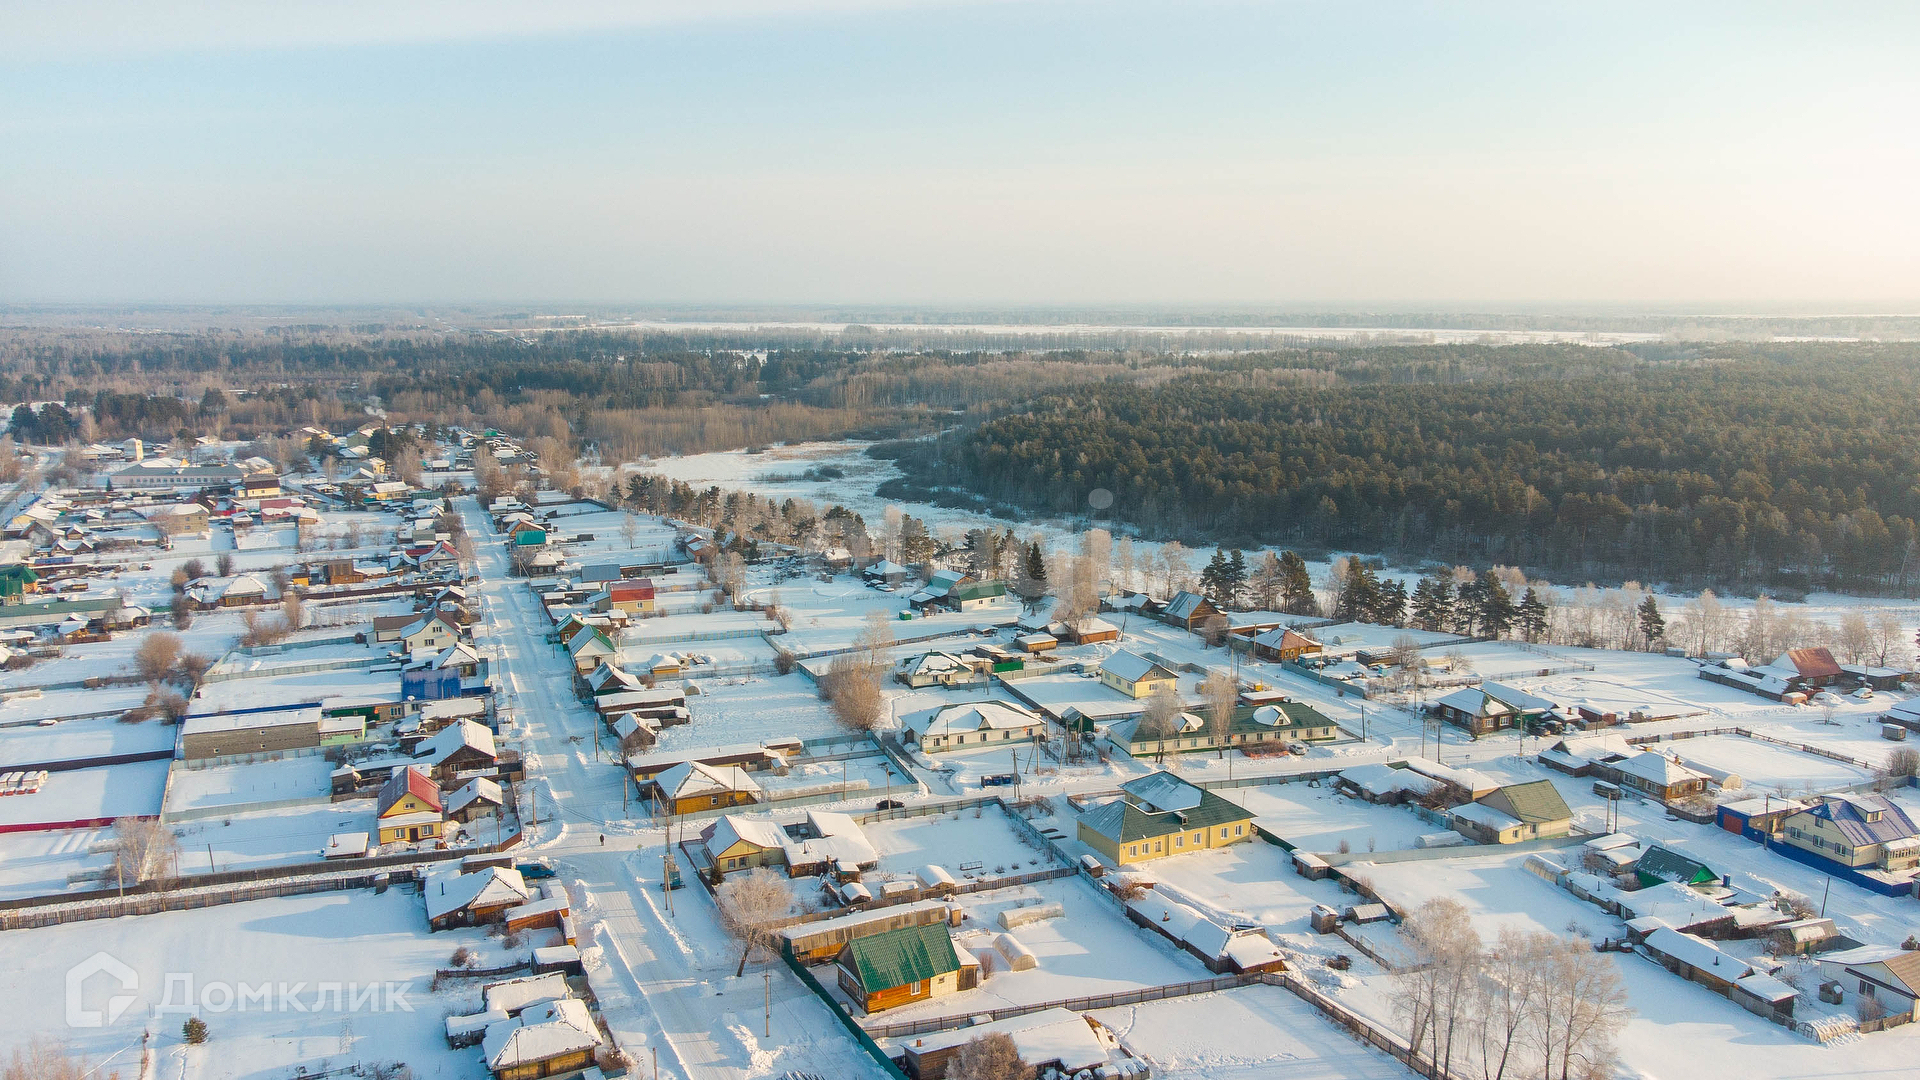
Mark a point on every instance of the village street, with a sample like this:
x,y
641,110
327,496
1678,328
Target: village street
x,y
674,987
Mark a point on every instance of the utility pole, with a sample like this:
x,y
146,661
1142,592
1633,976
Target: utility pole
x,y
210,867
768,972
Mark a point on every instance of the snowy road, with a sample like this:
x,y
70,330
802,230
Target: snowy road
x,y
667,986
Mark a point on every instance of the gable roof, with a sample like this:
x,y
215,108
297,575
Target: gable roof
x,y
454,737
898,957
1184,605
1534,802
1132,667
1665,864
1811,663
1855,817
541,1033
1161,804
1658,768
970,716
478,789
412,780
690,779
495,886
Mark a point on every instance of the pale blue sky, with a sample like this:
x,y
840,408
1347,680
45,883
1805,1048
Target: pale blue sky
x,y
734,151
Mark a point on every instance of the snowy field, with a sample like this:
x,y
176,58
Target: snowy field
x,y
210,635
1254,879
37,705
1318,819
1093,949
748,709
270,837
86,794
958,838
71,739
346,938
1766,766
256,782
1254,1033
1675,1018
42,863
313,686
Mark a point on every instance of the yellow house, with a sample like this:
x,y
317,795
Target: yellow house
x,y
1161,815
409,808
1136,676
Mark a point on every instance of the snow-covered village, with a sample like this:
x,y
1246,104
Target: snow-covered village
x,y
959,540
723,766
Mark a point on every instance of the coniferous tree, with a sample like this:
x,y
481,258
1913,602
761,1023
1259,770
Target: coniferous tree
x,y
1433,601
1296,586
1653,625
1530,617
1496,610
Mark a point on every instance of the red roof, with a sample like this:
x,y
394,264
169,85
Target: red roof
x,y
637,589
409,781
1814,663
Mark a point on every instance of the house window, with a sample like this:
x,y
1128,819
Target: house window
x,y
914,987
713,800
1133,849
1180,841
1223,832
1239,830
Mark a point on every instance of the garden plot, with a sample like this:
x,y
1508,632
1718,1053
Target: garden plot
x,y
210,635
1349,636
830,615
349,938
1092,949
38,705
748,709
89,796
652,635
1766,766
1037,769
1252,1032
1674,1018
77,739
246,839
344,684
42,863
1254,879
237,786
958,838
1318,819
823,777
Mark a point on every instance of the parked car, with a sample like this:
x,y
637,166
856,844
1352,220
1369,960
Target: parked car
x,y
889,804
533,871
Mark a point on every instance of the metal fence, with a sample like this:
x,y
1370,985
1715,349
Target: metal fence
x,y
1079,1004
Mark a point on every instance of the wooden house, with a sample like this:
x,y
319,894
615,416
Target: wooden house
x,y
1283,645
820,942
556,1038
693,785
409,809
971,723
473,899
1160,815
1188,611
1514,813
898,967
1135,675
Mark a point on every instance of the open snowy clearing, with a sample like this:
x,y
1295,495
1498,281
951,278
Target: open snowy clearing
x,y
76,739
356,938
88,794
1253,1033
1319,819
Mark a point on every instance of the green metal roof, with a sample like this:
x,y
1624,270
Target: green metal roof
x,y
1661,864
1127,822
898,957
1532,802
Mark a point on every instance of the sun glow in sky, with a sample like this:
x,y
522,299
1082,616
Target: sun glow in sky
x,y
1726,155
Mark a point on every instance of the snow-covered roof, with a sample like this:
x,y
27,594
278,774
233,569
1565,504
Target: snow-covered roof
x,y
479,788
1050,1035
540,1034
734,828
1485,816
1697,952
970,716
1379,780
491,887
1164,791
454,737
1132,667
1657,768
510,996
691,779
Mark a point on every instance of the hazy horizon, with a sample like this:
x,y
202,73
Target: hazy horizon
x,y
1717,159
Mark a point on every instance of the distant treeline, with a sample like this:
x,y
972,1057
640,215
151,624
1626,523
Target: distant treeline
x,y
1788,466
